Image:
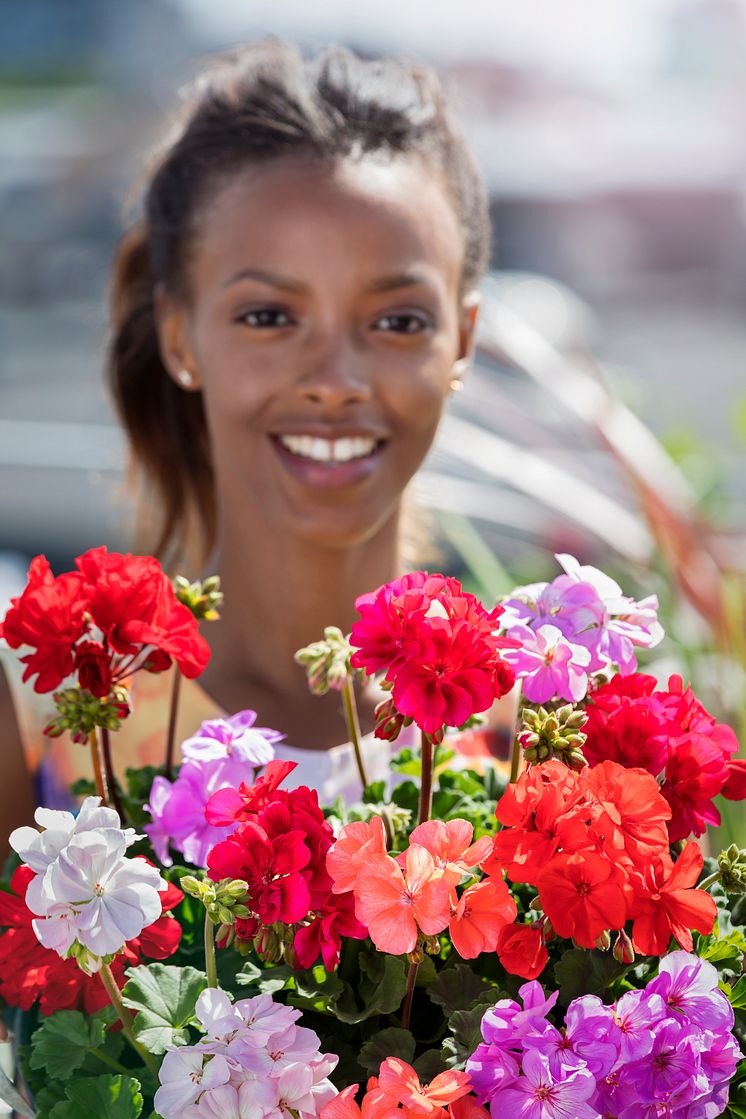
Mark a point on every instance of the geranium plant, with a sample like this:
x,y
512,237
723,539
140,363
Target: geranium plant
x,y
456,943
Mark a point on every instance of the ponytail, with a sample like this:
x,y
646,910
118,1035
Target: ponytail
x,y
169,447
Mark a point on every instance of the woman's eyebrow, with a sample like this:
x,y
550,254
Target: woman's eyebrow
x,y
274,279
286,283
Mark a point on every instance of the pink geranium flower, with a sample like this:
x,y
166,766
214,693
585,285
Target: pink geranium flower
x,y
482,912
354,846
397,905
451,847
549,665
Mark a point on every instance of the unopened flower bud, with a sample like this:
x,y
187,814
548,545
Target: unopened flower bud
x,y
203,598
417,955
327,662
388,721
535,905
80,713
432,945
623,951
603,942
553,734
547,930
732,869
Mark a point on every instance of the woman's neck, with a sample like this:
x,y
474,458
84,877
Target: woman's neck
x,y
279,596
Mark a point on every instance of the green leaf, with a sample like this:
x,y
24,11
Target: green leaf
x,y
723,949
582,972
374,793
102,1097
316,989
458,988
429,1064
465,1027
380,989
62,1043
268,980
165,997
737,994
393,1042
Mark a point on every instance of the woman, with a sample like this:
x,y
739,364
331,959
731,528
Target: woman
x,y
289,318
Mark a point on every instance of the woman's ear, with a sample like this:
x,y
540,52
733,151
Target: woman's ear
x,y
467,334
173,340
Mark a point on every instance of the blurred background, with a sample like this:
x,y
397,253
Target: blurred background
x,y
606,415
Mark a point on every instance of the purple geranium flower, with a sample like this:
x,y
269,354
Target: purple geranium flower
x,y
539,1094
235,737
635,1015
671,1072
689,987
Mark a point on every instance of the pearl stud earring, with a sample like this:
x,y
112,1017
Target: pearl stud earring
x,y
185,378
456,384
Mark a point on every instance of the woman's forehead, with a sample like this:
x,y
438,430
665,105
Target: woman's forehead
x,y
369,218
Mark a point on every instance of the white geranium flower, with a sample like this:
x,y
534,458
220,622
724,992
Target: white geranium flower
x,y
253,1099
114,898
39,849
184,1075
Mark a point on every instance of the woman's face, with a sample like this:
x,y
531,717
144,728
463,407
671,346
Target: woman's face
x,y
322,328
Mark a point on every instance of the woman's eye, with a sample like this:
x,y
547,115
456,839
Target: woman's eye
x,y
265,318
405,322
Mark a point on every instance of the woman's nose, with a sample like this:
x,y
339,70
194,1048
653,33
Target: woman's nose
x,y
334,375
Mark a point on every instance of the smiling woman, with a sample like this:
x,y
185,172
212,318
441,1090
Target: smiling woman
x,y
290,315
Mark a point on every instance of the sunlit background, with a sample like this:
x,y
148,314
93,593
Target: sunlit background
x,y
613,139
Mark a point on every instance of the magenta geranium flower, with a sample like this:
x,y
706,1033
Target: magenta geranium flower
x,y
271,867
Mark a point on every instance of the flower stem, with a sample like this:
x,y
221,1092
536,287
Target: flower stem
x,y
98,772
125,1018
211,964
111,784
516,753
353,727
426,779
409,996
710,880
171,734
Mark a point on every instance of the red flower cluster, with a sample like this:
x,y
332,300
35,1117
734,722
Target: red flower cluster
x,y
438,648
29,971
596,847
279,848
672,736
123,607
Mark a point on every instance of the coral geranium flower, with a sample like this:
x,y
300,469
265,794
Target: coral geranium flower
x,y
396,905
402,1085
670,906
451,847
355,844
482,912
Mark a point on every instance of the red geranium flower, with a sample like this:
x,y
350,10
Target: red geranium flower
x,y
522,951
696,772
228,806
582,895
50,617
29,971
93,665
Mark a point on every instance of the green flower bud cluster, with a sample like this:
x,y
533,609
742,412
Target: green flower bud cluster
x,y
327,662
202,598
86,960
80,713
396,821
553,734
224,901
732,867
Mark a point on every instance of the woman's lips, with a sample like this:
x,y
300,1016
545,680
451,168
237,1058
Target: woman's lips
x,y
330,474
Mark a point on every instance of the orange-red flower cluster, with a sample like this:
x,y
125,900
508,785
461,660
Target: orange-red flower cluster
x,y
438,648
671,735
112,615
413,896
396,1093
596,847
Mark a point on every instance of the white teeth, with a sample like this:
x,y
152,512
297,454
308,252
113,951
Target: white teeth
x,y
328,450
